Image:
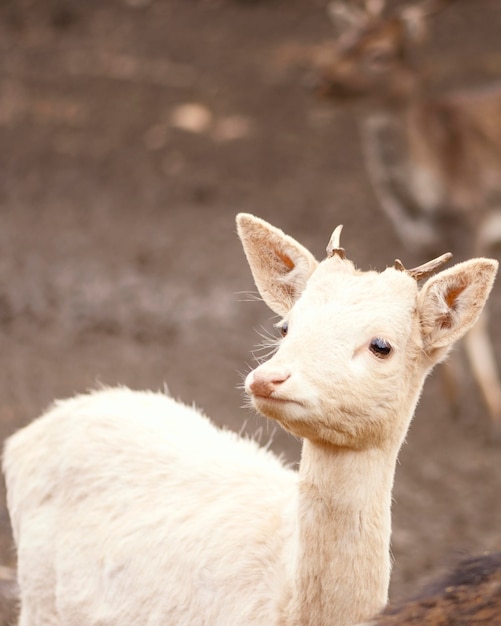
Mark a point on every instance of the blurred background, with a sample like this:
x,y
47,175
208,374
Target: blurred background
x,y
131,133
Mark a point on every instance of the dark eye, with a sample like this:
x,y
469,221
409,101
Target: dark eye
x,y
380,347
284,328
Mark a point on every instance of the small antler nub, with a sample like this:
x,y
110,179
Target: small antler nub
x,y
333,246
425,270
398,265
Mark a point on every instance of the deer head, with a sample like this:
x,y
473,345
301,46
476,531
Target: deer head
x,y
373,54
356,345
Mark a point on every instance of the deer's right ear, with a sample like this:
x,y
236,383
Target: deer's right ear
x,y
280,265
414,20
451,302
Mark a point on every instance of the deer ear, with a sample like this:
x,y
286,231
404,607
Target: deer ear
x,y
280,265
415,23
450,303
344,16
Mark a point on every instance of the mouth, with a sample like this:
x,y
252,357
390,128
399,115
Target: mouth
x,y
274,401
271,399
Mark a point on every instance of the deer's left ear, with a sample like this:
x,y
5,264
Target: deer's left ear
x,y
450,303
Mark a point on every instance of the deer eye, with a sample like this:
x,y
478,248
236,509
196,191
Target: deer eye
x,y
284,328
380,348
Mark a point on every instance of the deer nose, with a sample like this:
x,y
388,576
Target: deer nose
x,y
264,383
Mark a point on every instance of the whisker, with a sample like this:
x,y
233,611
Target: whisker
x,y
248,296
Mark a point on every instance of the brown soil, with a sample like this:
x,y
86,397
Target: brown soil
x,y
119,261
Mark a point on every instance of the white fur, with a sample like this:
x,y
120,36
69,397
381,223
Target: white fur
x,y
131,509
123,501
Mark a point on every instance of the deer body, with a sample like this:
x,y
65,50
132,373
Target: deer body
x,y
142,493
148,491
130,509
434,160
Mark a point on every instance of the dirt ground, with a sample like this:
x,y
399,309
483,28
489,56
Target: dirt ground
x,y
119,261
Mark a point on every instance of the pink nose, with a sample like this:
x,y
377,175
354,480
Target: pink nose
x,y
263,384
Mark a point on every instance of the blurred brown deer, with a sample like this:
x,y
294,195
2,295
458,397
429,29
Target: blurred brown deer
x,y
434,160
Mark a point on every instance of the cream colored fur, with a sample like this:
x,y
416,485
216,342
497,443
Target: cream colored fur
x,y
130,509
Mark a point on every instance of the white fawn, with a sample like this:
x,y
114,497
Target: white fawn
x,y
434,160
129,508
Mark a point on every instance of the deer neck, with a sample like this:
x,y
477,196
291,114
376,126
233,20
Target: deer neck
x,y
342,561
412,91
397,112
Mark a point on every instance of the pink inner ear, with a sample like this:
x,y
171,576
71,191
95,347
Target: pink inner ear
x,y
452,295
450,298
287,261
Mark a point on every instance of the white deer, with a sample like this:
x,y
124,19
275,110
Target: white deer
x,y
434,160
131,509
